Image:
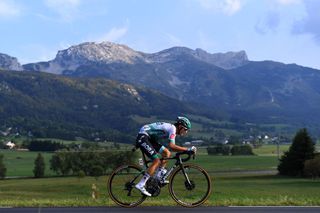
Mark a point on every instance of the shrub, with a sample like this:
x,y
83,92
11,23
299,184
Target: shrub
x,y
312,167
3,168
96,171
241,150
81,174
219,149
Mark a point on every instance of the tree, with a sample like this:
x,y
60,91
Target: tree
x,y
96,171
302,149
3,169
241,150
60,163
312,167
39,166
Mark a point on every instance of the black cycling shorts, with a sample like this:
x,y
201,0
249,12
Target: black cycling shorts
x,y
147,146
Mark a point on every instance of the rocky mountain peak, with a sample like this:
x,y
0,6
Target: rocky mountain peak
x,y
227,60
168,54
9,63
105,52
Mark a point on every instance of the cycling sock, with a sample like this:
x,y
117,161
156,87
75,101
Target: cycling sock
x,y
144,179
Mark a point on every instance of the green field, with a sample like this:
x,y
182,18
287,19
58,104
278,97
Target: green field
x,y
237,180
231,190
21,163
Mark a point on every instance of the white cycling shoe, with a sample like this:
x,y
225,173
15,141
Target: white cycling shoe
x,y
164,181
143,190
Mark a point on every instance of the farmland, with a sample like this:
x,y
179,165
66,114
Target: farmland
x,y
237,180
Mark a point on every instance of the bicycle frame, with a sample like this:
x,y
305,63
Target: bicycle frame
x,y
189,182
179,162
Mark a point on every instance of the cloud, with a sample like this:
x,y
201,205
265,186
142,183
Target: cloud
x,y
9,9
289,2
115,34
66,9
269,23
228,7
311,23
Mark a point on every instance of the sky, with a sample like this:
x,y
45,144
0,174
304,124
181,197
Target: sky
x,y
286,31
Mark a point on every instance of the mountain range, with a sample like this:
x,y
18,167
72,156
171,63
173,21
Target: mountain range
x,y
54,106
263,92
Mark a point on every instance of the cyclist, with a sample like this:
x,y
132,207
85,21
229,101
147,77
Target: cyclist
x,y
148,140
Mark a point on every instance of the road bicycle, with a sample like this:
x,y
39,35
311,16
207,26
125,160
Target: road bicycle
x,y
189,184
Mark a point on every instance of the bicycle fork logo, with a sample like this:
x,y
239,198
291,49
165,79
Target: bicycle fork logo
x,y
148,148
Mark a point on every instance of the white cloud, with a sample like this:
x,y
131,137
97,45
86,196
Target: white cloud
x,y
9,9
66,9
228,7
310,24
289,2
115,34
270,23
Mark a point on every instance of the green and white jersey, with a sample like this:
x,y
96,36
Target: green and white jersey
x,y
159,131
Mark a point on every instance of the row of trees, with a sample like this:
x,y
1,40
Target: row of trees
x,y
227,150
89,162
84,163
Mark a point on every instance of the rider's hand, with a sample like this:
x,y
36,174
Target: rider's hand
x,y
193,149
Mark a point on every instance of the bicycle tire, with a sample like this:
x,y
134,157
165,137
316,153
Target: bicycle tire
x,y
190,195
121,186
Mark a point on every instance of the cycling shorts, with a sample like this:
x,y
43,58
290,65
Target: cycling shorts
x,y
149,147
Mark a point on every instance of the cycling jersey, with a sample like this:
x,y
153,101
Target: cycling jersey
x,y
159,130
152,138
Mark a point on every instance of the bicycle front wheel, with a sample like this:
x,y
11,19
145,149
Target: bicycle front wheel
x,y
190,185
121,186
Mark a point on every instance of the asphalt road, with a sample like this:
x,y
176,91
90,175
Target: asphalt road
x,y
163,209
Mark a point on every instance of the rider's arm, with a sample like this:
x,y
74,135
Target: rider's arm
x,y
177,148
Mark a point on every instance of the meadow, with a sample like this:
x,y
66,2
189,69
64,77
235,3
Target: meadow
x,y
21,163
227,190
237,180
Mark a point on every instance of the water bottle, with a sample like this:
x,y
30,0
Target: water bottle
x,y
161,173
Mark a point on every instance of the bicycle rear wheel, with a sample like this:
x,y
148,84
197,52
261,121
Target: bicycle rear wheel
x,y
121,186
190,186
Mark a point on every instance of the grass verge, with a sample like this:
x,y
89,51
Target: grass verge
x,y
240,190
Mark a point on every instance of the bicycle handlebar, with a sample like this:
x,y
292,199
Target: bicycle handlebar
x,y
177,156
189,153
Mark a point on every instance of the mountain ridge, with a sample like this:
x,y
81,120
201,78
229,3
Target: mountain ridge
x,y
108,52
58,106
249,91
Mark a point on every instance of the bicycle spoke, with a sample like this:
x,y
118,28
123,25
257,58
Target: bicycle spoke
x,y
122,186
191,189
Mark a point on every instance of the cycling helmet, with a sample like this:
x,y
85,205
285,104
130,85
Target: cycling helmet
x,y
184,122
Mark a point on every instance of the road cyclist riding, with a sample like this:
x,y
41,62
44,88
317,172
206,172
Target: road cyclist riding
x,y
189,185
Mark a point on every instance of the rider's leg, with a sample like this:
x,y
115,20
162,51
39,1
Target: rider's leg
x,y
141,185
143,142
162,171
155,164
165,154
